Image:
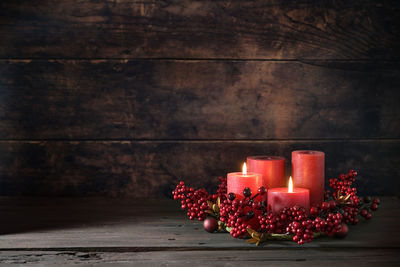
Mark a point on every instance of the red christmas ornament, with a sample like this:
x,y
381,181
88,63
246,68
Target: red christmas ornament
x,y
344,230
210,224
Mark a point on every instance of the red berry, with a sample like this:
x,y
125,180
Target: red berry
x,y
250,214
363,212
231,196
332,204
376,200
210,224
255,205
262,190
368,216
314,210
325,205
247,192
374,206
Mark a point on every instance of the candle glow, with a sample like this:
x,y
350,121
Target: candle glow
x,y
281,197
237,181
290,187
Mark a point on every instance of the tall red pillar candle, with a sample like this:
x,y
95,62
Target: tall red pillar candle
x,y
237,181
308,171
271,168
281,197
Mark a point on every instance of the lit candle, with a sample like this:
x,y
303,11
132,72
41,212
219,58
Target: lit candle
x,y
238,181
271,168
281,197
308,171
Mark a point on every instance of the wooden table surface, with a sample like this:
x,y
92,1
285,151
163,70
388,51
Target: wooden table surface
x,y
87,231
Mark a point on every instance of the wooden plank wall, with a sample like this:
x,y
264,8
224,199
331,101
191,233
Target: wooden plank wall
x,y
125,98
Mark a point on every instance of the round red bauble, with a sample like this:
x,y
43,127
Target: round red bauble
x,y
210,224
344,230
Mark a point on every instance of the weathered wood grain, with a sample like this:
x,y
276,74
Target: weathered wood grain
x,y
270,29
286,70
99,231
134,99
115,225
150,168
309,257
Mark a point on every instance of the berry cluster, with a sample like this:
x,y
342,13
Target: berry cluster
x,y
367,207
196,201
301,227
249,214
222,188
342,187
350,214
240,214
350,205
295,221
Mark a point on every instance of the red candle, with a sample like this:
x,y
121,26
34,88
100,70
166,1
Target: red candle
x,y
271,168
237,181
279,198
308,171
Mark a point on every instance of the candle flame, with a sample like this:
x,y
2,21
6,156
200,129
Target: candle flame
x,y
244,168
290,188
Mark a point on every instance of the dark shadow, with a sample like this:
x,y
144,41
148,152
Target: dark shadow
x,y
22,214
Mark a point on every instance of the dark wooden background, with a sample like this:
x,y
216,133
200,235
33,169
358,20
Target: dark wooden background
x,y
125,98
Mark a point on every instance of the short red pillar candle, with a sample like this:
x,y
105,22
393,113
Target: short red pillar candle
x,y
308,171
272,169
281,197
238,181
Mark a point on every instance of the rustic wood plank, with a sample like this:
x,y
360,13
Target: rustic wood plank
x,y
309,257
151,168
115,225
200,29
102,99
